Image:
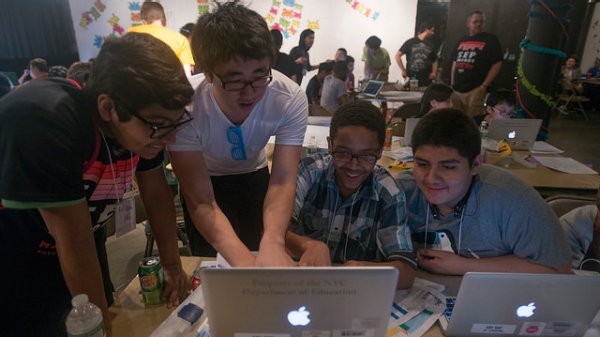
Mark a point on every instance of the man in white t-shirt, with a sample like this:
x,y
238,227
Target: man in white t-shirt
x,y
220,160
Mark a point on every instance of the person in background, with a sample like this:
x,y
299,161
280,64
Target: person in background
x,y
436,96
38,69
377,60
349,210
187,30
5,84
468,217
301,56
350,78
314,89
233,205
79,67
340,55
334,88
421,59
571,73
81,148
582,226
476,61
498,104
594,71
283,62
57,71
155,22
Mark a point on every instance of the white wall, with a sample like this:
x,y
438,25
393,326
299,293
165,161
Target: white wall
x,y
337,23
592,42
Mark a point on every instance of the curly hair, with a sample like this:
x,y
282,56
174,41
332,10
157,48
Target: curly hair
x,y
359,113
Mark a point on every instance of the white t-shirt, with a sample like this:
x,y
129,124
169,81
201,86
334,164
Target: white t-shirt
x,y
282,112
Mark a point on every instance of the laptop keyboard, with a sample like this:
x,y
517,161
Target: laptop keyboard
x,y
449,306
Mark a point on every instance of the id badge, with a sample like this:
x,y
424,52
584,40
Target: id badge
x,y
125,216
304,71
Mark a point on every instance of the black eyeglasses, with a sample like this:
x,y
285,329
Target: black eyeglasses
x,y
240,85
161,131
346,157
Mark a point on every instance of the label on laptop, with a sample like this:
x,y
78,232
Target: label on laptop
x,y
532,328
365,323
493,328
561,329
314,333
261,335
354,333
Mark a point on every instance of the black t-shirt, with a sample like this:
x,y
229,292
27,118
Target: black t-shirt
x,y
47,136
301,69
314,89
420,56
285,65
474,56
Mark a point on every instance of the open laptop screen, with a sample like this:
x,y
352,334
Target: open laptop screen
x,y
372,88
295,302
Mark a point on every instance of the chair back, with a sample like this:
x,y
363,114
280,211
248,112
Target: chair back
x,y
407,110
563,204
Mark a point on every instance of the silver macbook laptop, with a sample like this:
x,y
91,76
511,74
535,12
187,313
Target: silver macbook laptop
x,y
411,123
372,88
492,304
520,133
299,302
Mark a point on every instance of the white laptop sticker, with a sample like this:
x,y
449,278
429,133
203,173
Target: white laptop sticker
x,y
493,328
561,329
324,333
261,335
366,323
353,333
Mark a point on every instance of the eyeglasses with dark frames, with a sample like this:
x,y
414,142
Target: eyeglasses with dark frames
x,y
260,82
343,156
162,131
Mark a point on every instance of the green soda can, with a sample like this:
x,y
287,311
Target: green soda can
x,y
152,279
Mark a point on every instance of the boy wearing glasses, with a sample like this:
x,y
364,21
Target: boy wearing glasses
x,y
349,210
468,217
499,104
67,155
220,161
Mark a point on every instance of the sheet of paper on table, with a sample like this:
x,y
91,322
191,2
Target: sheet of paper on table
x,y
543,147
320,132
403,153
416,309
567,165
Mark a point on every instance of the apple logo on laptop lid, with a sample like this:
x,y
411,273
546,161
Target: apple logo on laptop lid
x,y
526,310
299,317
512,134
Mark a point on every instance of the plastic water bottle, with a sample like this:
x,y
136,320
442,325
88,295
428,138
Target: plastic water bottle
x,y
85,319
483,130
312,146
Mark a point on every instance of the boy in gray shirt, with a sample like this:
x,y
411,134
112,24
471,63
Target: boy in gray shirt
x,y
465,216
